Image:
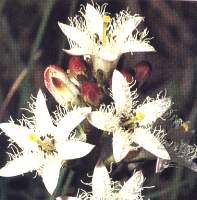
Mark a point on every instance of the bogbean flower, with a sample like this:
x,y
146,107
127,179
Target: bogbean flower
x,y
44,147
103,188
103,38
130,122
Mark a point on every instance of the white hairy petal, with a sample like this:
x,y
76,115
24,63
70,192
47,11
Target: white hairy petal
x,y
70,121
121,146
74,34
127,28
101,185
50,175
78,51
133,187
94,20
73,149
20,165
153,110
120,92
18,134
136,46
105,121
67,198
149,142
43,119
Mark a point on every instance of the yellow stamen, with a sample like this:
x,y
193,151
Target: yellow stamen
x,y
33,137
185,126
106,20
139,116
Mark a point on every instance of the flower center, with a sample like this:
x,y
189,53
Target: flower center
x,y
45,143
129,123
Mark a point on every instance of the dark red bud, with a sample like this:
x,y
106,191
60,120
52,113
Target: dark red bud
x,y
142,71
76,66
128,74
91,93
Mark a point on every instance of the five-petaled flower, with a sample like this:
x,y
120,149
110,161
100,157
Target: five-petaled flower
x,y
44,146
103,188
105,39
130,123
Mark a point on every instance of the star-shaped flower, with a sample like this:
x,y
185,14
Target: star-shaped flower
x,y
104,188
132,123
104,39
44,146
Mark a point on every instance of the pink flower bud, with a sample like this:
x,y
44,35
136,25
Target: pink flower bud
x,y
59,85
127,74
76,66
142,72
91,93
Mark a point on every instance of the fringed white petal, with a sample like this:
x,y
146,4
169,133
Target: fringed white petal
x,y
136,46
153,109
148,141
20,165
73,150
133,187
127,28
50,175
67,198
75,35
18,134
109,54
70,121
43,119
121,146
101,185
105,121
121,92
78,51
94,21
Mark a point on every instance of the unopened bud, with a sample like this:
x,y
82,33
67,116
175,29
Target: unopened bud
x,y
142,72
128,74
76,66
91,93
59,85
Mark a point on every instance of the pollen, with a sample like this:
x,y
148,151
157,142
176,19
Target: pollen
x,y
33,137
45,143
139,116
106,20
185,126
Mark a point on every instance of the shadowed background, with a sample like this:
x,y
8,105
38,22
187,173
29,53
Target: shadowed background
x,y
30,40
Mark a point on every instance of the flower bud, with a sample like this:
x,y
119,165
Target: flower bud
x,y
76,66
142,72
128,74
59,85
91,93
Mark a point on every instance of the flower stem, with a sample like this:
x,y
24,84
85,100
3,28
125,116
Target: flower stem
x,y
26,87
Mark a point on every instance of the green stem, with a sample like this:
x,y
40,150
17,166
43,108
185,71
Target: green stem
x,y
26,87
57,191
68,182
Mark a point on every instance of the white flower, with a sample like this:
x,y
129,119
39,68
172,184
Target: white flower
x,y
130,123
105,39
44,146
105,189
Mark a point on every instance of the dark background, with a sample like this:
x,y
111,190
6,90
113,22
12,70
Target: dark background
x,y
30,40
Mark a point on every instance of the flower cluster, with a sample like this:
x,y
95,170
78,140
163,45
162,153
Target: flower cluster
x,y
93,94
